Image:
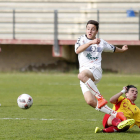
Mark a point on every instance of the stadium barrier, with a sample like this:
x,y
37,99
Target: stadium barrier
x,y
59,30
67,24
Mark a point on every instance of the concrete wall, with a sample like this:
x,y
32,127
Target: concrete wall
x,y
18,57
128,62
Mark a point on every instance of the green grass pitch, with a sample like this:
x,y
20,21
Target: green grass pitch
x,y
59,111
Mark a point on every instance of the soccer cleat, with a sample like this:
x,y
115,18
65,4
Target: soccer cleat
x,y
120,116
101,102
98,130
125,123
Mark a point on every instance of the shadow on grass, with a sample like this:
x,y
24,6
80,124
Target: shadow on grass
x,y
133,132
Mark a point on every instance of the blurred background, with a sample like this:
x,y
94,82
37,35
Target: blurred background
x,y
39,35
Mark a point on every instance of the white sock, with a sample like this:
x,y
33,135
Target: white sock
x,y
107,110
93,89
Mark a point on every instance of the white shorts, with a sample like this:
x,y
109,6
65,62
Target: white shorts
x,y
97,74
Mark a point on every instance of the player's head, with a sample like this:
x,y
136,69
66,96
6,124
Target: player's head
x,y
93,22
92,27
131,93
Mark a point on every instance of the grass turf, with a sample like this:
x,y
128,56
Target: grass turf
x,y
59,111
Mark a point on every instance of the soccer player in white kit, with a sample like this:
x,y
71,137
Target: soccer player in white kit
x,y
89,50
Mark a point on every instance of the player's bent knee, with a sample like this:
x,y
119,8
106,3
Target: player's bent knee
x,y
84,78
81,77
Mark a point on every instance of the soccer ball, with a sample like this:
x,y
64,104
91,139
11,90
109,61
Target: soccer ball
x,y
24,101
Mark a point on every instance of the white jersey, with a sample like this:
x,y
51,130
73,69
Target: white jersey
x,y
92,55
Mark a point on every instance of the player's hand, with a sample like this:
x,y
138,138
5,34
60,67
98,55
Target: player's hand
x,y
124,90
125,48
96,41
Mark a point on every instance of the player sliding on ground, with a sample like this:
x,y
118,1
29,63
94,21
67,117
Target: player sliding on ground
x,y
125,105
89,50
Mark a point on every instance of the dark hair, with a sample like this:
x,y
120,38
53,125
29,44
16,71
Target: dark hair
x,y
94,23
130,86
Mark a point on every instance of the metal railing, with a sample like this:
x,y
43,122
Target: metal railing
x,y
139,24
69,23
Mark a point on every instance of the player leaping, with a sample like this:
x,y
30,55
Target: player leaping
x,y
89,50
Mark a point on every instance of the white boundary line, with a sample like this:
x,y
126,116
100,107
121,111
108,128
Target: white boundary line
x,y
63,84
42,119
75,84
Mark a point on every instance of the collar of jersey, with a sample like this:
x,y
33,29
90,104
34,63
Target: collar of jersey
x,y
130,101
87,37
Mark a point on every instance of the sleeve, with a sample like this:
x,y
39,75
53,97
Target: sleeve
x,y
108,47
80,41
120,98
117,104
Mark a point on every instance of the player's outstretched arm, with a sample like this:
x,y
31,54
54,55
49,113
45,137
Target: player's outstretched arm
x,y
123,49
114,98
